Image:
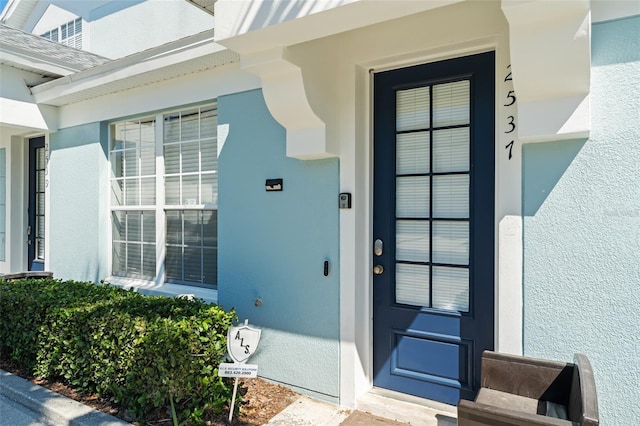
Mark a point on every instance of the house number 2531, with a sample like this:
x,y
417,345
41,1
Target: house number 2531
x,y
510,105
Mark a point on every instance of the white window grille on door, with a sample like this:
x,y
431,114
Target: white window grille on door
x,y
3,198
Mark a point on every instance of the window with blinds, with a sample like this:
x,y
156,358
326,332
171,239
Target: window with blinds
x,y
190,152
432,196
71,33
51,35
164,197
39,206
3,202
133,198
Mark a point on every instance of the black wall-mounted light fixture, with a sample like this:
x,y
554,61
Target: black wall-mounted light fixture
x,y
273,185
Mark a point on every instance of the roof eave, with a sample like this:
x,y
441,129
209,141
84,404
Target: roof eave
x,y
10,16
161,63
29,60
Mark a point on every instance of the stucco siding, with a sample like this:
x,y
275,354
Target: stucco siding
x,y
272,246
78,215
115,29
143,25
581,207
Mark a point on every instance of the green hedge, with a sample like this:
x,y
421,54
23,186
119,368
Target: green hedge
x,y
140,350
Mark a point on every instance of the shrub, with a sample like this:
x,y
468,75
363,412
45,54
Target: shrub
x,y
140,350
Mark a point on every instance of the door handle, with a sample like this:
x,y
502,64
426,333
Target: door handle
x,y
28,235
378,270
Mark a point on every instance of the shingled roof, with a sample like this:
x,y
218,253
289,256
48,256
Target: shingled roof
x,y
32,53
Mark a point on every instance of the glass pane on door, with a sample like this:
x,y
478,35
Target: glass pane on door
x,y
39,220
432,196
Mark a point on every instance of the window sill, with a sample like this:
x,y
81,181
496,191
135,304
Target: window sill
x,y
153,288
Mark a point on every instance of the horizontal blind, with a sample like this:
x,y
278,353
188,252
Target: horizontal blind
x,y
133,236
412,153
412,197
451,288
412,240
451,196
192,246
451,150
190,185
451,242
451,104
432,195
132,157
133,184
190,157
412,284
412,109
3,202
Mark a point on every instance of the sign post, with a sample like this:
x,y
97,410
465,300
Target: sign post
x,y
242,342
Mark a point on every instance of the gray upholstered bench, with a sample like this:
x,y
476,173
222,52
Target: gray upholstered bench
x,y
521,391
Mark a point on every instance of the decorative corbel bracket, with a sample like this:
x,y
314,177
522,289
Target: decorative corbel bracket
x,y
550,43
284,92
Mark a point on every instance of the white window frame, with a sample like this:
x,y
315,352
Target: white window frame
x,y
3,203
72,40
49,35
159,285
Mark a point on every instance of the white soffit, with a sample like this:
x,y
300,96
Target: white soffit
x,y
261,31
606,10
27,116
16,12
259,25
550,43
186,56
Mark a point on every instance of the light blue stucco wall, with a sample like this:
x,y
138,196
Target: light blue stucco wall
x,y
581,204
78,219
272,246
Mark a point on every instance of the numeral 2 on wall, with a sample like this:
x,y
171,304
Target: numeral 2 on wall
x,y
509,103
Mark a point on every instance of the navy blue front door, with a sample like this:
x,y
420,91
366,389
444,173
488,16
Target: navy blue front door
x,y
35,228
433,254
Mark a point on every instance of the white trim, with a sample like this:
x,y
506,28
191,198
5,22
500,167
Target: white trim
x,y
161,232
47,201
165,289
28,115
20,8
257,25
607,10
356,233
284,92
551,63
158,286
32,60
185,56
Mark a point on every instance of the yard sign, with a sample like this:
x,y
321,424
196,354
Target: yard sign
x,y
242,342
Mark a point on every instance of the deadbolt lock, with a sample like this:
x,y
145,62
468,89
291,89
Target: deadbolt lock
x,y
377,247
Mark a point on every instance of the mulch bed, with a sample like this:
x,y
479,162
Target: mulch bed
x,y
261,401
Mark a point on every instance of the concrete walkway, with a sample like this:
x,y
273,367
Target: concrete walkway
x,y
14,414
27,404
23,403
377,408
